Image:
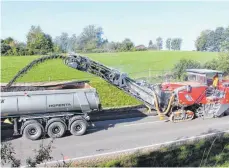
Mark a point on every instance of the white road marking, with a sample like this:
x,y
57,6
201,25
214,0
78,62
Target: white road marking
x,y
137,148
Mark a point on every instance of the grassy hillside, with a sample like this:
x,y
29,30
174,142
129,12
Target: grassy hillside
x,y
129,62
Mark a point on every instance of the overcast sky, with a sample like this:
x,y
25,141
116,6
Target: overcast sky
x,y
139,21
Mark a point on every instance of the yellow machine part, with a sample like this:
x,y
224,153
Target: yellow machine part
x,y
7,121
160,113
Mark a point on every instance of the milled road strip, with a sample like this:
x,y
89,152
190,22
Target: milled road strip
x,y
153,122
97,125
137,148
127,125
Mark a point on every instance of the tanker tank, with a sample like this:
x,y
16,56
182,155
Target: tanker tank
x,y
78,97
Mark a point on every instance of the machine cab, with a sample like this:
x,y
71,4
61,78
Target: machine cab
x,y
203,76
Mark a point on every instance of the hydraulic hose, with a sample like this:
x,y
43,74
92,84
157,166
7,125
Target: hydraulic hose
x,y
171,100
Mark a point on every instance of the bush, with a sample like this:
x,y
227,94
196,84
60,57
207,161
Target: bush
x,y
223,62
78,51
99,50
179,69
213,64
141,49
96,50
133,49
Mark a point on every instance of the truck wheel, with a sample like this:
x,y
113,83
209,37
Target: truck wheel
x,y
33,131
56,129
78,127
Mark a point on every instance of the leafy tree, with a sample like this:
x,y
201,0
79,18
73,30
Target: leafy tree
x,y
46,43
62,42
223,62
213,40
33,37
90,45
150,44
153,47
5,47
159,43
127,45
11,47
173,44
100,41
220,63
56,48
118,46
224,45
210,42
90,34
39,42
212,64
219,37
72,42
168,43
104,45
176,43
8,40
180,67
201,41
111,46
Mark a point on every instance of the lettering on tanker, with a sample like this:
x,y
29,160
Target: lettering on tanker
x,y
60,105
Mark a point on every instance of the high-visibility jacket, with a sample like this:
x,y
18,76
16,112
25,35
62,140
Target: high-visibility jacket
x,y
215,81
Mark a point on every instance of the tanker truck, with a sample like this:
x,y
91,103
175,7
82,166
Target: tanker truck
x,y
49,109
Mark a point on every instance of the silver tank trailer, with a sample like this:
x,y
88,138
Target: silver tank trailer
x,y
36,102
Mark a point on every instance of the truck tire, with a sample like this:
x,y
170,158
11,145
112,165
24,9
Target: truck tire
x,y
78,127
56,129
33,130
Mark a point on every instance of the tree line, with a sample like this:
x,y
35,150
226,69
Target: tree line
x,y
213,40
171,44
89,40
37,43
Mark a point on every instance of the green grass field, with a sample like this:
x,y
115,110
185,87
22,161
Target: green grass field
x,y
129,62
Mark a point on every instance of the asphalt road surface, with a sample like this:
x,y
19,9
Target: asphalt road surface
x,y
116,135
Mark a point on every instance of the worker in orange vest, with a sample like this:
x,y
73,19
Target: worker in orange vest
x,y
215,81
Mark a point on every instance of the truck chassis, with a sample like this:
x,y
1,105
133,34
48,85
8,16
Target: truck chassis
x,y
55,125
